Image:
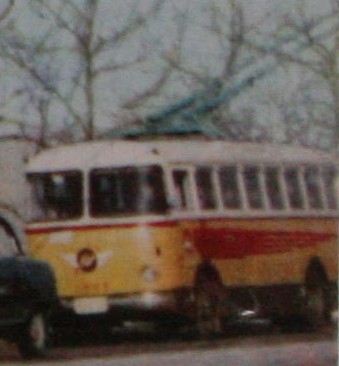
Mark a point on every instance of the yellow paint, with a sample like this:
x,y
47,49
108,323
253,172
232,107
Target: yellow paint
x,y
125,252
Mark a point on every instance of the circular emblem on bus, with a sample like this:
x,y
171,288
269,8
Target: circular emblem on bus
x,y
87,260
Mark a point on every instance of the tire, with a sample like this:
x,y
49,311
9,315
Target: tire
x,y
34,340
209,306
168,328
316,308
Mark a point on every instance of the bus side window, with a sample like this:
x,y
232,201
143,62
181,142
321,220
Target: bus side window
x,y
294,192
182,188
252,184
127,191
152,197
106,193
329,179
56,196
206,192
311,176
229,187
273,188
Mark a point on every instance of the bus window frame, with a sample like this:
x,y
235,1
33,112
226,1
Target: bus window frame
x,y
261,169
239,193
291,191
35,205
334,173
260,188
282,194
119,170
311,168
188,191
212,195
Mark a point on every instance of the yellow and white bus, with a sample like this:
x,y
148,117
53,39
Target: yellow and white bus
x,y
187,229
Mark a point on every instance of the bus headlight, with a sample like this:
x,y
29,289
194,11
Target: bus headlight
x,y
87,260
149,274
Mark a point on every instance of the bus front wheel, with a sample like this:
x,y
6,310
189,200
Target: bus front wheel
x,y
33,342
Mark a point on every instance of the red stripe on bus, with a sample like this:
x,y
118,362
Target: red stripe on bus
x,y
222,243
228,243
82,227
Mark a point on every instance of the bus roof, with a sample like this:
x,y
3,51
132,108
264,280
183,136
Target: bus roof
x,y
101,154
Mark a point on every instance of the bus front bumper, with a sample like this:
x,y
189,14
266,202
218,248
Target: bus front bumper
x,y
148,304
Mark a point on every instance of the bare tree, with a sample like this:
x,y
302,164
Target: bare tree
x,y
6,10
72,68
205,77
305,46
225,28
67,65
310,113
216,82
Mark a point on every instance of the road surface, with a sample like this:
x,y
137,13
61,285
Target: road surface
x,y
255,347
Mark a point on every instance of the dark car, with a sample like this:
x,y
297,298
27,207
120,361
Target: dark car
x,y
27,293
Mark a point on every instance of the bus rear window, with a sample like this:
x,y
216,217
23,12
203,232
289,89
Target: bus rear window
x,y
56,196
127,191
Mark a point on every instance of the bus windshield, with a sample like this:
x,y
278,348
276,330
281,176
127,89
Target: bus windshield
x,y
56,196
127,191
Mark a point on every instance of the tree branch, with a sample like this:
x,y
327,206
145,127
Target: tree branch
x,y
5,13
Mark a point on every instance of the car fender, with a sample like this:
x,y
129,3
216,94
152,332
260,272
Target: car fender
x,y
16,225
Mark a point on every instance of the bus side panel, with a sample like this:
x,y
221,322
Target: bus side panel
x,y
266,252
264,261
130,259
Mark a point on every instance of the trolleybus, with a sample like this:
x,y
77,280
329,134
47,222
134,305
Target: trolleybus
x,y
190,229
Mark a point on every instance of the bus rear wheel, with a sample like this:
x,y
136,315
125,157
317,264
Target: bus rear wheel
x,y
316,308
208,302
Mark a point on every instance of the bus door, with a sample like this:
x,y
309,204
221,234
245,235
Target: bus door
x,y
184,203
207,233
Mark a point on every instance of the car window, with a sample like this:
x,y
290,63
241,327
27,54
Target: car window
x,y
8,243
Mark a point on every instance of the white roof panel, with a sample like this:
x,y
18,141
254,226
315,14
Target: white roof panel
x,y
89,155
92,154
221,151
